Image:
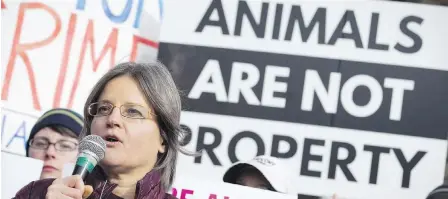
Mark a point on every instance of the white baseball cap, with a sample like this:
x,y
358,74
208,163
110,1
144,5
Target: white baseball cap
x,y
272,169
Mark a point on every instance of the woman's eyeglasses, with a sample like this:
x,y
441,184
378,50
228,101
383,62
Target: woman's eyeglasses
x,y
61,145
132,111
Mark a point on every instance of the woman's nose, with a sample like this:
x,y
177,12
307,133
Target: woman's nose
x,y
114,119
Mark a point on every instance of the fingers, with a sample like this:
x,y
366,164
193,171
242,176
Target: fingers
x,y
73,181
62,191
57,196
70,187
87,191
79,184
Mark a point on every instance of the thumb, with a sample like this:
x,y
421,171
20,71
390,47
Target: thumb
x,y
87,191
74,182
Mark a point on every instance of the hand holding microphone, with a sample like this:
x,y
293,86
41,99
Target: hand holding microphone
x,y
68,187
91,150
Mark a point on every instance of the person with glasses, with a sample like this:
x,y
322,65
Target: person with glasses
x,y
135,108
54,140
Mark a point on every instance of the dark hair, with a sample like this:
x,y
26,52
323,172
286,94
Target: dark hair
x,y
249,169
64,121
160,91
57,128
63,131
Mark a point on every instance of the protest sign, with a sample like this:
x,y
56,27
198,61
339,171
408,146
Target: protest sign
x,y
353,95
54,51
191,187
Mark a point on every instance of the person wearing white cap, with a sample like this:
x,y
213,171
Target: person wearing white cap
x,y
262,172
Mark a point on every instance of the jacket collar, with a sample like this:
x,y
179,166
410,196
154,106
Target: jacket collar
x,y
149,185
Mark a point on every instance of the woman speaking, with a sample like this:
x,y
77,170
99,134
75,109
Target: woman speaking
x,y
136,109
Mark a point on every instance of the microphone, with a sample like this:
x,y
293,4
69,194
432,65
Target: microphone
x,y
92,149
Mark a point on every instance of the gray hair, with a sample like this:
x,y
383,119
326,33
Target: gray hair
x,y
160,91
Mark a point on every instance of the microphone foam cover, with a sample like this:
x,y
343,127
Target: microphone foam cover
x,y
93,144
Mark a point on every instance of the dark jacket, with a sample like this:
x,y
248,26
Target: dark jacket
x,y
147,188
440,192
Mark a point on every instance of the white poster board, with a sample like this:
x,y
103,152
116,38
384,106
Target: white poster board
x,y
17,172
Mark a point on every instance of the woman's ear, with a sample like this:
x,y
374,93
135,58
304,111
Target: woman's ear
x,y
162,146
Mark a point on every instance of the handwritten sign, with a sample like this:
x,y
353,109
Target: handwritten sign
x,y
191,187
54,51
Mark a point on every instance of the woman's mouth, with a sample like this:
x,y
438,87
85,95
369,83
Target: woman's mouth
x,y
112,141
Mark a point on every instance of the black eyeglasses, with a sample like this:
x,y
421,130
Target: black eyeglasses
x,y
61,145
133,111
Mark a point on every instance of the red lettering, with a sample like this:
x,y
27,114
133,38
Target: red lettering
x,y
136,40
174,192
65,59
3,5
20,49
213,196
186,192
111,44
